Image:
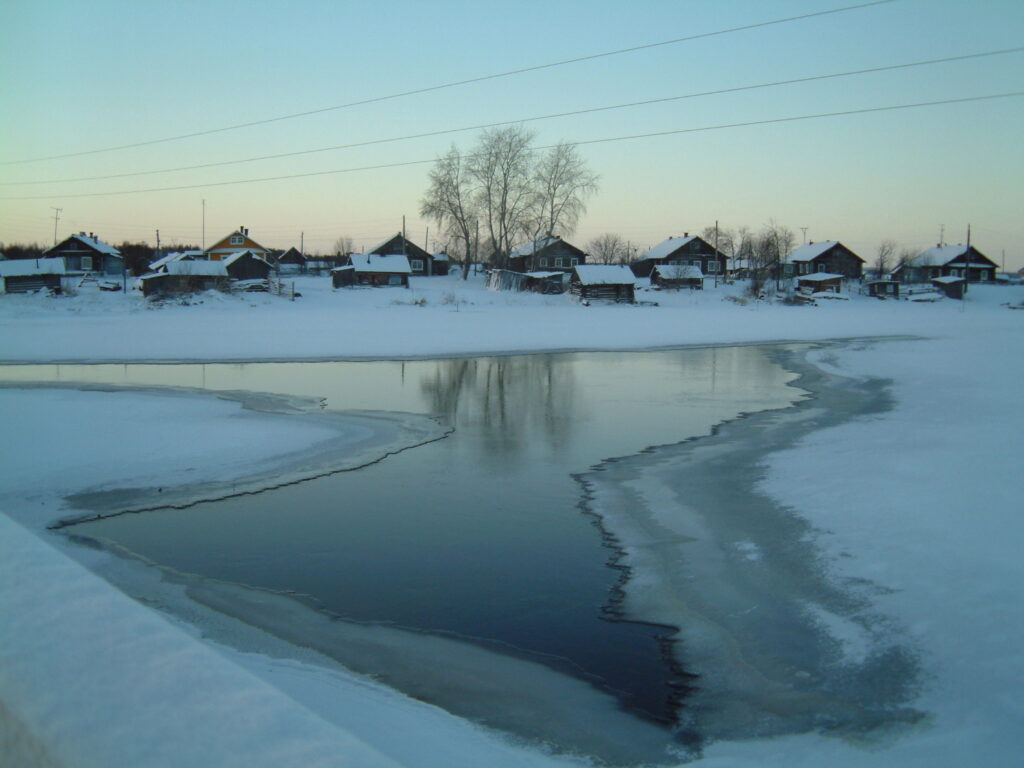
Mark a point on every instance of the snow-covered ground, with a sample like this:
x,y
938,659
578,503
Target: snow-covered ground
x,y
919,499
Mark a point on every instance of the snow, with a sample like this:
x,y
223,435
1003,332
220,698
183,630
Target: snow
x,y
923,506
24,267
667,247
810,251
375,262
604,274
679,271
819,277
532,246
236,256
938,256
93,242
197,267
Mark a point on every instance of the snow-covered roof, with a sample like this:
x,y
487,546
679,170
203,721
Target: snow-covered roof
x,y
24,267
374,262
809,251
605,274
544,275
938,256
175,256
667,247
198,267
819,277
532,246
947,279
93,242
679,271
236,256
440,256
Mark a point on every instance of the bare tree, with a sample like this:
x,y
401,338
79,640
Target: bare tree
x,y
561,185
449,201
608,248
344,245
884,259
501,167
726,239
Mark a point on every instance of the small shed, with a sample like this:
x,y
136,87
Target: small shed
x,y
247,265
953,287
603,281
291,261
372,269
184,277
820,282
677,276
29,275
884,289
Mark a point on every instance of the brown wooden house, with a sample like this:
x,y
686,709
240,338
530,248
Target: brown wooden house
x,y
827,256
84,253
948,261
421,263
613,282
545,254
688,250
246,265
372,269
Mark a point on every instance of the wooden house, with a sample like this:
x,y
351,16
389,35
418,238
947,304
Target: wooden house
x,y
421,263
246,265
688,250
84,254
947,261
820,282
545,254
237,242
29,275
827,256
183,277
291,261
677,276
603,281
372,269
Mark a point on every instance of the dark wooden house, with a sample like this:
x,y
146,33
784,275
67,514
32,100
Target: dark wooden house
x,y
372,269
84,254
546,254
29,275
688,250
183,277
947,261
952,287
827,256
677,276
603,281
883,289
820,282
291,261
246,265
421,263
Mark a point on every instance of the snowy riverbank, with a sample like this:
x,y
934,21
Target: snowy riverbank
x,y
917,499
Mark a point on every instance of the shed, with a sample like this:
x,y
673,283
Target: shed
x,y
884,289
820,282
247,265
28,275
677,276
372,269
183,277
291,261
603,281
953,287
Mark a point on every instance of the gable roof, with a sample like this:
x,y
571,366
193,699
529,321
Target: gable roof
x,y
943,255
247,243
25,267
666,248
531,247
604,274
394,263
810,251
91,242
175,256
411,249
242,254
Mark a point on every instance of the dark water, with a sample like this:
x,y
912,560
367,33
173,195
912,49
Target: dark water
x,y
479,535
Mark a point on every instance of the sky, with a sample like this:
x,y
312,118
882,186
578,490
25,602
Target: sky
x,y
79,77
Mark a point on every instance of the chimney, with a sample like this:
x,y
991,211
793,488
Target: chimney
x,y
686,234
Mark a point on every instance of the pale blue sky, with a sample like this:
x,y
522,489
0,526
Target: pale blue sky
x,y
80,76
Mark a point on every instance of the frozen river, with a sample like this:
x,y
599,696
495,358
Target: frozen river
x,y
547,550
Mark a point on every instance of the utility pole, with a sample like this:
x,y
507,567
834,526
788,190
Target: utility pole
x,y
804,230
204,224
302,243
716,251
158,254
56,218
403,237
942,233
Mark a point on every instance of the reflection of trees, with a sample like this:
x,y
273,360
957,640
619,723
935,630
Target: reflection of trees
x,y
511,398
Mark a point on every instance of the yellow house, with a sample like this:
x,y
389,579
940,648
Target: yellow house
x,y
237,242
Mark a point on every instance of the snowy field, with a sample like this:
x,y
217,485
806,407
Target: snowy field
x,y
919,499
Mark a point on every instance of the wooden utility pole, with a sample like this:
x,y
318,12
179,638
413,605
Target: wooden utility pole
x,y
56,218
716,251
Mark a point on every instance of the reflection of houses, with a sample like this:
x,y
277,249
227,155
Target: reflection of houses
x,y
545,253
421,263
372,269
947,261
602,281
677,276
28,275
181,277
237,242
83,253
682,251
827,256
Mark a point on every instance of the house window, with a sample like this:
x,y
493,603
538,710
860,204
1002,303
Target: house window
x,y
983,274
712,267
934,272
574,261
87,262
416,264
394,280
237,239
559,261
542,261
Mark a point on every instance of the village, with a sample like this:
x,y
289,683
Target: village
x,y
548,265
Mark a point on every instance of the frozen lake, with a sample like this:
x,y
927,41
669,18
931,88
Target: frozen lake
x,y
477,539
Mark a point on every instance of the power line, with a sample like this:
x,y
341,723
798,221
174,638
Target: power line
x,y
454,84
631,137
589,110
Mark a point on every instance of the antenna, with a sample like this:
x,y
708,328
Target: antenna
x,y
56,218
804,230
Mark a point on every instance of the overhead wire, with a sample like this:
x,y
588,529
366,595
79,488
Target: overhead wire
x,y
571,113
632,137
453,84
